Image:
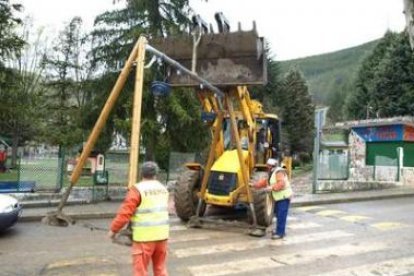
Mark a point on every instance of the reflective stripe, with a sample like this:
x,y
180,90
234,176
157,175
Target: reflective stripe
x,y
149,223
151,210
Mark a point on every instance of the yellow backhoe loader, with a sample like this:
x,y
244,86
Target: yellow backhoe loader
x,y
243,136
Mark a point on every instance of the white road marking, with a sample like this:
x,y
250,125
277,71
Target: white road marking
x,y
301,257
402,266
254,244
194,236
303,225
289,218
327,213
354,218
178,227
309,208
388,225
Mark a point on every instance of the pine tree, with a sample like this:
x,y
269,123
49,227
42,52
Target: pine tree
x,y
298,112
394,85
384,86
361,102
173,124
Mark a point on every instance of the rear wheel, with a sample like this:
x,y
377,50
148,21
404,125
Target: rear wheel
x,y
185,196
263,202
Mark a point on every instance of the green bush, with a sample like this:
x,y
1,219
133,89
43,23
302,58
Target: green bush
x,y
304,157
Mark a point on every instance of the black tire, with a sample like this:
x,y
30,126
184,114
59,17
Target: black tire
x,y
263,202
185,196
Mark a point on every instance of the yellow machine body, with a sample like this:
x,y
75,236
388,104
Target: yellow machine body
x,y
228,164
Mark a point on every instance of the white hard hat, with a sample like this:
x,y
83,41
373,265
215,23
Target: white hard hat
x,y
271,162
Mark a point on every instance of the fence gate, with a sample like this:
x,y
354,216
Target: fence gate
x,y
333,165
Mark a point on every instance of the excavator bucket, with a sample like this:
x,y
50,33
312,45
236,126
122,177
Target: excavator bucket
x,y
223,59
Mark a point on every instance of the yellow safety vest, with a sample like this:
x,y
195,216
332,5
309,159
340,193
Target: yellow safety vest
x,y
286,192
150,221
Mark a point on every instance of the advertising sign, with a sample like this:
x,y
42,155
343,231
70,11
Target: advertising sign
x,y
380,133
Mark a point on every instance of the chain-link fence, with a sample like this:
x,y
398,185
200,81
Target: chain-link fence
x,y
50,170
43,171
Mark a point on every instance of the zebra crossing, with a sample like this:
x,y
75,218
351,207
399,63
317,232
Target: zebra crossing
x,y
210,252
342,215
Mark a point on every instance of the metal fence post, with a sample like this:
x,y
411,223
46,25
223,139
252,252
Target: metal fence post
x,y
60,169
19,167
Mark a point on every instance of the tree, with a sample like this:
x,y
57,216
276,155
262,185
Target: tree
x,y
67,73
10,42
21,92
409,18
170,124
359,103
298,112
393,84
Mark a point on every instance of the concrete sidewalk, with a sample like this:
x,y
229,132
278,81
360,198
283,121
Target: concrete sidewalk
x,y
35,210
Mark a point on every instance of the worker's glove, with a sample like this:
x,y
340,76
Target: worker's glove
x,y
268,189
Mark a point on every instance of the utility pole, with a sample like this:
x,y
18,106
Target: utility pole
x,y
320,115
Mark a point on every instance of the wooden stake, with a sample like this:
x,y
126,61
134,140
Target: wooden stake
x,y
136,113
100,123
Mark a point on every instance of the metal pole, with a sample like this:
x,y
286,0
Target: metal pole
x,y
316,150
315,161
193,75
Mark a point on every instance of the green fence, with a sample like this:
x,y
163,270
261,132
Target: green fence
x,y
42,170
51,171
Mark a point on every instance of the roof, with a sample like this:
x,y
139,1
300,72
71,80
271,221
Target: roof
x,y
405,120
334,144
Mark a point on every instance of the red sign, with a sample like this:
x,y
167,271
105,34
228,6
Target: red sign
x,y
408,133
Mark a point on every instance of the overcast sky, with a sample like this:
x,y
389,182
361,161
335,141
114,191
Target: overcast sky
x,y
294,28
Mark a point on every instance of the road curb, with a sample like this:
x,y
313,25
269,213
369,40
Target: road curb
x,y
106,215
348,200
37,218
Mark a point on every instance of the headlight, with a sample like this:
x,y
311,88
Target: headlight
x,y
7,209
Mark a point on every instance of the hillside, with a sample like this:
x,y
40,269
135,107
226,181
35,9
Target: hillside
x,y
330,76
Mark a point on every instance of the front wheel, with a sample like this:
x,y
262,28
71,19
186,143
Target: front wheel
x,y
263,202
185,197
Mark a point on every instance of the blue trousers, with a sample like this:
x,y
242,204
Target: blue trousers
x,y
281,211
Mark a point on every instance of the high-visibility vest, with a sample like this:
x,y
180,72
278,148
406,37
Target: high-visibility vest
x,y
150,221
286,192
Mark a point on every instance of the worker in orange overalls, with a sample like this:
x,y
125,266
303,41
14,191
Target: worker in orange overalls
x,y
146,207
278,184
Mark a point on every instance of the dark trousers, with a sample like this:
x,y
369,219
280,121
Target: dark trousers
x,y
281,212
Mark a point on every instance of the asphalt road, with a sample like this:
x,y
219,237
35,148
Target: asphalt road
x,y
364,238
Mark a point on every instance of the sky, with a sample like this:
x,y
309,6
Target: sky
x,y
294,28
